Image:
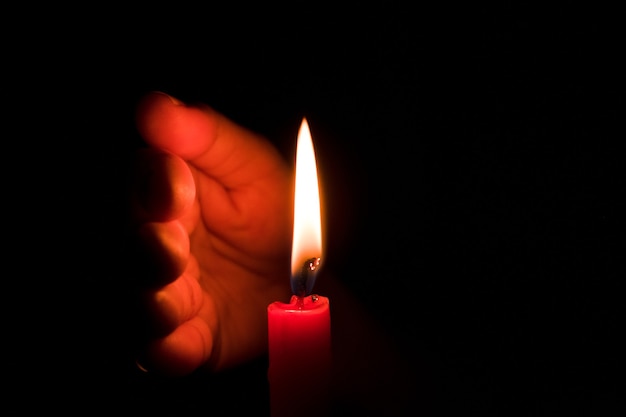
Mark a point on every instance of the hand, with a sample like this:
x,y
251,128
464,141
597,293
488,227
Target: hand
x,y
213,216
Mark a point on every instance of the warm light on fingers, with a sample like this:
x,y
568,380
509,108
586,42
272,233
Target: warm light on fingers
x,y
183,350
176,303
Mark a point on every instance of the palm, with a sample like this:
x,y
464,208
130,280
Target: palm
x,y
242,256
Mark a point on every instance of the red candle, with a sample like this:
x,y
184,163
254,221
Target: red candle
x,y
300,358
299,331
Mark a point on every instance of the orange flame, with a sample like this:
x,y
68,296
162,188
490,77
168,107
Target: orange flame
x,y
307,227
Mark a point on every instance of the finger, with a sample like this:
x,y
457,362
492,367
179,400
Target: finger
x,y
163,186
162,251
182,351
175,303
216,146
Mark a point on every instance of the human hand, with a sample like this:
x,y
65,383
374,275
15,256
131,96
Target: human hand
x,y
212,210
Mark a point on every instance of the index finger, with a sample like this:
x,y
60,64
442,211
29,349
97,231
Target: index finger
x,y
206,139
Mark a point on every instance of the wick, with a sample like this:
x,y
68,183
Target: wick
x,y
302,283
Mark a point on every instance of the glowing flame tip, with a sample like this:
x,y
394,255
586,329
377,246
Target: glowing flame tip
x,y
307,229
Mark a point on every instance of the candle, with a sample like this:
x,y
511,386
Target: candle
x,y
299,331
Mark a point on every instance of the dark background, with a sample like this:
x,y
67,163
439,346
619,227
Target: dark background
x,y
469,157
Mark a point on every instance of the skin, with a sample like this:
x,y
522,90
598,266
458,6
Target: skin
x,y
212,208
212,214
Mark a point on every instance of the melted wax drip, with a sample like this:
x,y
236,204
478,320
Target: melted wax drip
x,y
302,283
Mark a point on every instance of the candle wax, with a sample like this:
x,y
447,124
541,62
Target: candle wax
x,y
299,356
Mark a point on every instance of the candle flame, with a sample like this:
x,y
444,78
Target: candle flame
x,y
306,249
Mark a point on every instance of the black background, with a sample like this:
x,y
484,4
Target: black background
x,y
471,166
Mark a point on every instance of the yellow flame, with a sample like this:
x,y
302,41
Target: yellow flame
x,y
307,224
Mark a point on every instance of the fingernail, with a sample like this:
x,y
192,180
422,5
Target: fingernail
x,y
172,99
140,366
